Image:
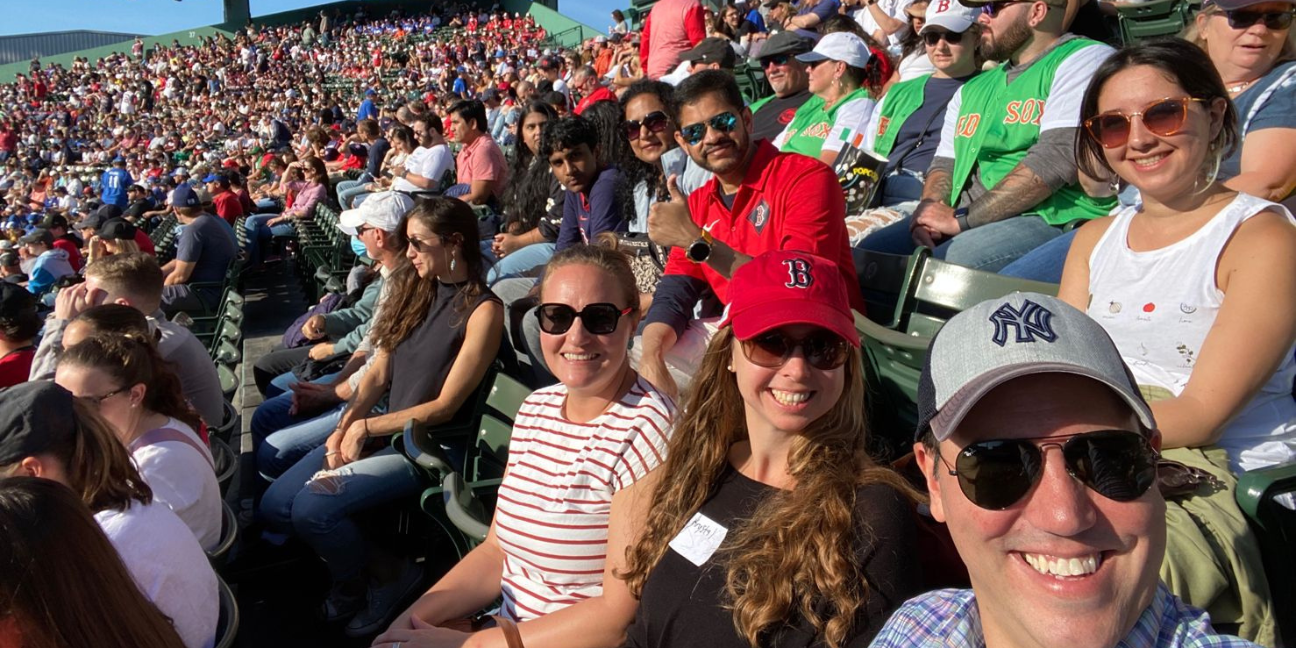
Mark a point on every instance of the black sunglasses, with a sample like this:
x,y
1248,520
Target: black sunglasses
x,y
725,122
655,122
598,319
992,9
777,59
1275,20
932,38
1117,464
822,349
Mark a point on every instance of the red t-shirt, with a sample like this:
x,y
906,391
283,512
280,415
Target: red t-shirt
x,y
15,367
228,206
600,94
144,242
786,202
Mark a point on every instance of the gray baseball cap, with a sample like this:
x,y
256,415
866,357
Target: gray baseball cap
x,y
1009,337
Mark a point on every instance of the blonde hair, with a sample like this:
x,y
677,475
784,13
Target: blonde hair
x,y
796,553
1192,33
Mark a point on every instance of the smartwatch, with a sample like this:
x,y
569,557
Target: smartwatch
x,y
961,215
700,250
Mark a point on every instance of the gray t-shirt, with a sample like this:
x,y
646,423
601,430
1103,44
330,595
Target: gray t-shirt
x,y
209,245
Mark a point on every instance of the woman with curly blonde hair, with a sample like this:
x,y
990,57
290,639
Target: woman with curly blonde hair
x,y
769,525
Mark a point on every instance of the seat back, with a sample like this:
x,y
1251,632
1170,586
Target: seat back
x,y
227,621
1147,20
944,289
1260,494
886,281
506,396
219,554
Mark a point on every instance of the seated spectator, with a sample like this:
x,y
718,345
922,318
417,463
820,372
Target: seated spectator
x,y
61,579
599,431
296,416
46,432
993,194
533,202
1184,283
709,54
19,325
587,83
768,523
368,132
138,204
115,236
591,206
307,193
226,204
759,200
1062,547
435,341
789,79
92,223
64,239
139,396
646,108
204,251
11,268
49,263
131,280
838,69
482,169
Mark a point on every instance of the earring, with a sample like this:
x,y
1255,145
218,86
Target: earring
x,y
452,264
730,368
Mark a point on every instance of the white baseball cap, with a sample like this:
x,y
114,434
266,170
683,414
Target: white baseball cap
x,y
381,210
839,46
950,14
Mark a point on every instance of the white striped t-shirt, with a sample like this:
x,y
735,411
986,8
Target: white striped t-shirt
x,y
552,516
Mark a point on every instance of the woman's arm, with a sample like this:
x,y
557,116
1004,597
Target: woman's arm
x,y
1251,337
1268,164
481,344
1075,274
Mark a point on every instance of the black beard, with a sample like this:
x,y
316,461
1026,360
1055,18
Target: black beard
x,y
1003,45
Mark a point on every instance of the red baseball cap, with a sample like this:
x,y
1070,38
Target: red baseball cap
x,y
785,287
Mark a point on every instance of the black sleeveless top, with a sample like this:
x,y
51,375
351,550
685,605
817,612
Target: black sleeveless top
x,y
422,361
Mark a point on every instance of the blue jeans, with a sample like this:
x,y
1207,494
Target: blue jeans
x,y
322,516
281,448
1044,263
260,235
348,189
989,247
519,261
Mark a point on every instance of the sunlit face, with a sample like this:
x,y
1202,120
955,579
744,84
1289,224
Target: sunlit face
x,y
647,145
824,74
1007,32
532,126
786,78
957,58
586,363
1060,518
1252,49
575,167
1163,167
718,152
427,252
790,397
119,404
460,128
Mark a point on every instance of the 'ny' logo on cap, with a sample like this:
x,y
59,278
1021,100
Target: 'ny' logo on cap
x,y
1030,322
798,273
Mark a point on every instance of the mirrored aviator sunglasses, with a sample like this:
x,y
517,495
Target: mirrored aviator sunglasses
x,y
1117,464
725,122
1163,117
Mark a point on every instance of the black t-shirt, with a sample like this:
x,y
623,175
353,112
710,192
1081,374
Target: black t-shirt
x,y
919,135
377,153
135,210
774,115
422,361
682,604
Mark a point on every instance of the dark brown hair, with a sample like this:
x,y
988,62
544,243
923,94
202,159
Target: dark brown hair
x,y
131,360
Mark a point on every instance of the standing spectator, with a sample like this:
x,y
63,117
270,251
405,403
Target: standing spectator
x,y
482,169
19,325
204,251
114,183
367,109
671,28
619,23
225,202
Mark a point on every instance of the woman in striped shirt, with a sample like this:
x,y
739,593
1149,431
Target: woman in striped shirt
x,y
567,502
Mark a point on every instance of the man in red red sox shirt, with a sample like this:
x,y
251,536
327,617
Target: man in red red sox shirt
x,y
759,200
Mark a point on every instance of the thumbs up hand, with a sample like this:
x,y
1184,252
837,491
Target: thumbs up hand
x,y
669,223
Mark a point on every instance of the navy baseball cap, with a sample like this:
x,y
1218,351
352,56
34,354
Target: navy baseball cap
x,y
185,196
34,418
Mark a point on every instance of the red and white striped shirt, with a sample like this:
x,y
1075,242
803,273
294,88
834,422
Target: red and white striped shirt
x,y
552,516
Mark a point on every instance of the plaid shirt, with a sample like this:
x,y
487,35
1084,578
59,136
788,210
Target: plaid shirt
x,y
949,618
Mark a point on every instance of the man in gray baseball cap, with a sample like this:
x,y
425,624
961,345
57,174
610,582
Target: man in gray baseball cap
x,y
1040,456
788,77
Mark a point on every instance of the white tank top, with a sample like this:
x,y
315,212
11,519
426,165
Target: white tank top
x,y
1159,305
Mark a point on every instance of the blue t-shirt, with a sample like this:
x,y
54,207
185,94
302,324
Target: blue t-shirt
x,y
208,243
367,110
1266,104
585,218
114,183
459,87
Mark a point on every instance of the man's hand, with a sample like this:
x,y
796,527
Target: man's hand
x,y
313,329
654,370
309,399
321,351
669,223
74,300
933,223
505,244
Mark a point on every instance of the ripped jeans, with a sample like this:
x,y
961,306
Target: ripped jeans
x,y
319,510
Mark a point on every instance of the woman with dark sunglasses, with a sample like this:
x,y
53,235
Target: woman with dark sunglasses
x,y
651,134
768,506
1252,47
571,493
1185,282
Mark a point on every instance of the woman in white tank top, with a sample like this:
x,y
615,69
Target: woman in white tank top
x,y
1197,286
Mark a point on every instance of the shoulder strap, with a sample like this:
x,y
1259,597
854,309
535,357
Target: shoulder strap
x,y
162,435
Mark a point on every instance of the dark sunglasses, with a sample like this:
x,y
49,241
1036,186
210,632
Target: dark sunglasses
x,y
822,349
725,122
1117,464
420,246
1241,19
1163,117
598,319
655,122
992,9
932,38
777,59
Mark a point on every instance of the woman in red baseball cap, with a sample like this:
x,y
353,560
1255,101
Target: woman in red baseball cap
x,y
767,506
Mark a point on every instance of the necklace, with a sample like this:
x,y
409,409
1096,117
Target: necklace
x,y
1239,87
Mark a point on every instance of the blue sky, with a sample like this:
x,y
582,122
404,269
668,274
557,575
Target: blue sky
x,y
165,16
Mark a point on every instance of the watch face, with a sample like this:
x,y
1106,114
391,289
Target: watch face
x,y
698,251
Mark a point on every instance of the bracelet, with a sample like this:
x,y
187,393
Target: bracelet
x,y
329,454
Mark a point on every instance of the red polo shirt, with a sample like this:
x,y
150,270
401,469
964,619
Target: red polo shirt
x,y
786,202
228,206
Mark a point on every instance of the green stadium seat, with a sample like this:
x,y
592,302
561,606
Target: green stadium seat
x,y
1155,19
1275,528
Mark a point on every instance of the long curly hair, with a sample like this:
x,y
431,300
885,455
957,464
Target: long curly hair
x,y
796,554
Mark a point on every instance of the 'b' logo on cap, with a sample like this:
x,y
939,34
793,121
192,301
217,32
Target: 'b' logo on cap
x,y
1030,322
798,273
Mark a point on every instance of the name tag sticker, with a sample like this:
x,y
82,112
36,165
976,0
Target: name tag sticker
x,y
699,539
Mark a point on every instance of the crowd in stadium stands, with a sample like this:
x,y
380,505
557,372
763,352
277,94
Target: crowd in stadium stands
x,y
658,234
